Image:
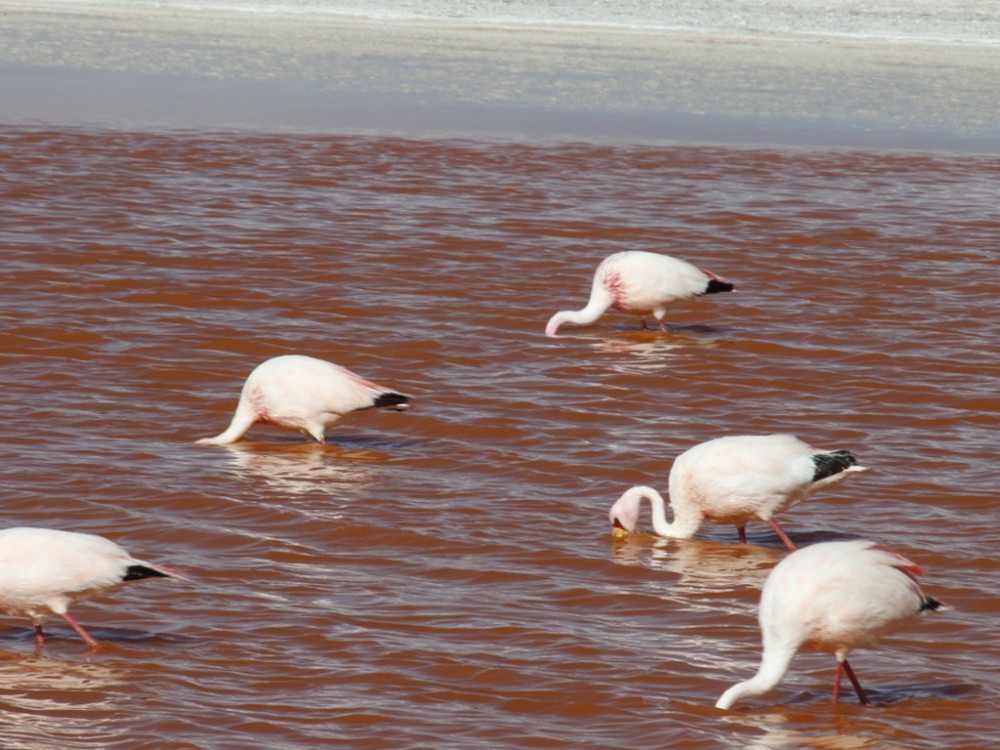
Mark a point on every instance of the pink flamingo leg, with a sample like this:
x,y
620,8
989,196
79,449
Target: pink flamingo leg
x,y
94,645
862,696
39,640
782,535
842,667
742,531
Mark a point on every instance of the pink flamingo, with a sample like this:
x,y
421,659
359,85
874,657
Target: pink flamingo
x,y
44,571
305,394
732,480
831,597
643,284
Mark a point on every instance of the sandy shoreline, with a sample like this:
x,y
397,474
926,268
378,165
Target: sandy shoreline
x,y
145,69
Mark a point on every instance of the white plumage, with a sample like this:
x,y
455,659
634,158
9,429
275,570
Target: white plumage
x,y
831,597
44,571
733,480
304,394
640,283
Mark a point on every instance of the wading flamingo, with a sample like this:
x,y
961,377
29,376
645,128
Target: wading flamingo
x,y
831,597
640,283
44,571
733,480
305,394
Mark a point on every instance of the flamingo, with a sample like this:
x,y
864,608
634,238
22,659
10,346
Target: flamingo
x,y
831,597
44,571
732,480
641,283
305,394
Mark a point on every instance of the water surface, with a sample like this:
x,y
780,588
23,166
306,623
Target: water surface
x,y
445,578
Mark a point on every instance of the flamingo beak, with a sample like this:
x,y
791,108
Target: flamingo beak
x,y
617,530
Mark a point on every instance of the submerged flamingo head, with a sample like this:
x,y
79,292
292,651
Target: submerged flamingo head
x,y
552,328
624,514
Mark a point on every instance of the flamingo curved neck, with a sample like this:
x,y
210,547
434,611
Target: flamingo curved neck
x,y
583,317
600,300
684,524
230,435
244,418
773,666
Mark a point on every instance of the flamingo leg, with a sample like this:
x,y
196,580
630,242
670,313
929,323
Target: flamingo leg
x,y
862,695
842,668
39,640
742,531
782,535
94,645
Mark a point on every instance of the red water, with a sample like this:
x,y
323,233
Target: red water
x,y
445,578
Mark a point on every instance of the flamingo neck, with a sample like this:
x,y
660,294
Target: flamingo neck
x,y
246,416
231,435
773,667
598,304
600,300
684,524
583,317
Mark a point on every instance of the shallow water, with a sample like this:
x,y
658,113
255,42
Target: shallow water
x,y
445,578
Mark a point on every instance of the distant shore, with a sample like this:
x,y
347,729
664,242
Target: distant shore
x,y
146,69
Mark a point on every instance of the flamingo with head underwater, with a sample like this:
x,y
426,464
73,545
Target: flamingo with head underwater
x,y
640,283
733,480
44,571
831,597
304,394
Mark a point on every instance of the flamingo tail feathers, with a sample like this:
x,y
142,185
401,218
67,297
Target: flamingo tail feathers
x,y
832,463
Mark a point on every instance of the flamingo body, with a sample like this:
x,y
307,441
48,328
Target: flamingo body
x,y
831,597
640,283
733,480
304,394
44,571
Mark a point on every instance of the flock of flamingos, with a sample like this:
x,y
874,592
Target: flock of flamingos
x,y
831,596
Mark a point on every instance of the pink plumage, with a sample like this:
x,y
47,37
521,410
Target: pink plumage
x,y
831,597
733,480
44,571
640,283
304,394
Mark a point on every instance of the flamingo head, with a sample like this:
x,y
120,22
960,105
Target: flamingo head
x,y
624,514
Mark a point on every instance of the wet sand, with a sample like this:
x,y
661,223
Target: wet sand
x,y
149,69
